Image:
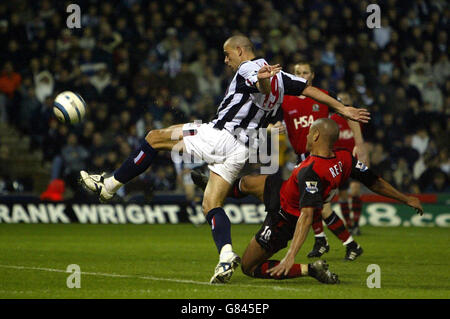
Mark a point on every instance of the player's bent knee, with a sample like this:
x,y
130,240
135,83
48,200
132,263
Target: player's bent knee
x,y
211,201
207,206
161,139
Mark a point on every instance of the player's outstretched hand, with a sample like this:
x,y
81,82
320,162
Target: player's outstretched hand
x,y
414,202
282,268
356,114
268,71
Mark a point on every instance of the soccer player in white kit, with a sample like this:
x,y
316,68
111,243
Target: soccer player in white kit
x,y
252,98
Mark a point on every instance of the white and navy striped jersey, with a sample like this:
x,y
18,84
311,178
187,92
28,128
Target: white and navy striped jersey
x,y
244,109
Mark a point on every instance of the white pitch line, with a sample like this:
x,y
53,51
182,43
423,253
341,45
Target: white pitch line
x,y
181,281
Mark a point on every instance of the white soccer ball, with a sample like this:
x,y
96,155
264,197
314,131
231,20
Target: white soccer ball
x,y
69,107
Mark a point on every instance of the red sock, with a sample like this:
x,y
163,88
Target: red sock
x,y
261,270
336,225
317,224
345,210
356,208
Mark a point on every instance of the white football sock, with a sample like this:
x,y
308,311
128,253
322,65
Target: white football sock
x,y
322,234
112,185
225,253
348,241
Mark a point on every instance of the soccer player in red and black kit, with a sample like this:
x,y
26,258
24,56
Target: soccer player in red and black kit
x,y
299,112
292,204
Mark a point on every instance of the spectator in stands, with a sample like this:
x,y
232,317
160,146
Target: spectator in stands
x,y
379,160
420,72
186,79
382,35
74,158
420,140
29,105
9,80
433,95
209,84
439,184
44,85
108,39
101,79
385,65
401,173
441,69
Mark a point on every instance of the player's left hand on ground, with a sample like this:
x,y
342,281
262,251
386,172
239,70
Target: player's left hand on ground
x,y
356,114
282,268
361,153
268,71
414,202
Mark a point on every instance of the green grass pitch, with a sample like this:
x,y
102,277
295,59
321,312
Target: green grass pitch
x,y
177,261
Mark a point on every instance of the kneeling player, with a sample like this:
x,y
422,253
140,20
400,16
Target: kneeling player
x,y
291,204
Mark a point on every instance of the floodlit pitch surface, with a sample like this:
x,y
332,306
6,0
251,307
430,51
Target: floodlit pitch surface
x,y
177,261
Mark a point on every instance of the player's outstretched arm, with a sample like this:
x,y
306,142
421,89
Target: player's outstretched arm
x,y
378,185
382,187
359,115
304,223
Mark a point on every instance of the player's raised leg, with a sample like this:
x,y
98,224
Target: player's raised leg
x,y
138,162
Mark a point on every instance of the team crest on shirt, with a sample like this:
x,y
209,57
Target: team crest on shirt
x,y
311,187
315,107
361,166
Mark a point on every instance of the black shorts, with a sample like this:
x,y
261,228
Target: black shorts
x,y
278,227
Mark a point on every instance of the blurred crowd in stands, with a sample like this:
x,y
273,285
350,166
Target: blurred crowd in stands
x,y
146,64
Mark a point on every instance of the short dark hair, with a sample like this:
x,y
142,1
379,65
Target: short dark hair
x,y
241,41
305,62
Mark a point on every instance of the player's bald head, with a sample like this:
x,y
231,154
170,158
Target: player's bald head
x,y
328,129
239,41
